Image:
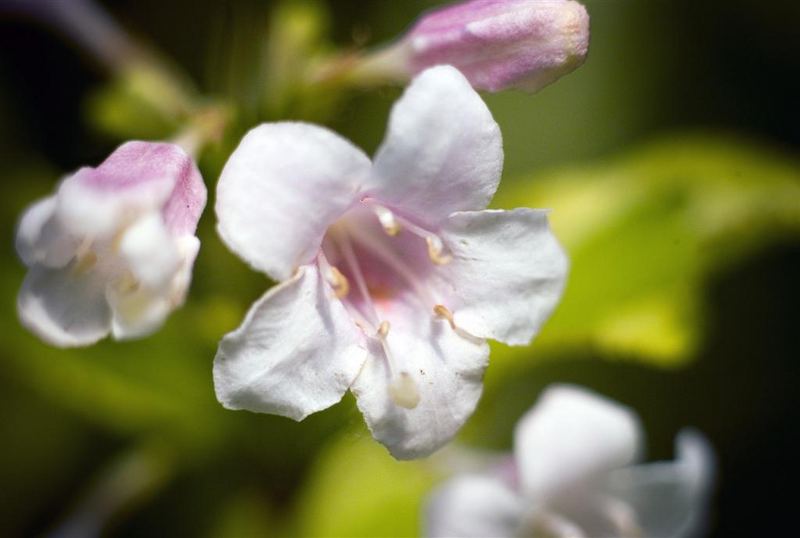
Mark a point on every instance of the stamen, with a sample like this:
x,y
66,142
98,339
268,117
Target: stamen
x,y
435,249
343,241
339,283
390,258
128,283
403,391
391,224
84,262
443,312
387,220
334,277
383,329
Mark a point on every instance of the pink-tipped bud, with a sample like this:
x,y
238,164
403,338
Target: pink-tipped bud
x,y
500,44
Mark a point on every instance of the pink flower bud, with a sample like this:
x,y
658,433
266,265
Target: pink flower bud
x,y
500,44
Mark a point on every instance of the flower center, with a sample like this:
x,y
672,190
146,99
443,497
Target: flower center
x,y
377,262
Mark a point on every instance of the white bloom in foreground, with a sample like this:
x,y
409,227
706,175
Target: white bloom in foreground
x,y
574,473
113,249
393,272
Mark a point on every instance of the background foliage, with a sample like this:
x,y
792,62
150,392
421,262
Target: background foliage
x,y
670,163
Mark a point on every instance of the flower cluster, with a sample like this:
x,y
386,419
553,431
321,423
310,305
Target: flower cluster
x,y
392,275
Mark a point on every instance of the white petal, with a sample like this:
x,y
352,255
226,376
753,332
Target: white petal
x,y
137,177
473,506
669,498
140,310
571,436
296,353
281,189
445,370
64,307
137,313
40,239
443,151
506,275
150,251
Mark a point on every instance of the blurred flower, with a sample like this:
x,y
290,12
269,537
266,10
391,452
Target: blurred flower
x,y
573,473
113,249
393,272
497,44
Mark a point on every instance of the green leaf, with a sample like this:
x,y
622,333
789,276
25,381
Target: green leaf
x,y
646,230
357,489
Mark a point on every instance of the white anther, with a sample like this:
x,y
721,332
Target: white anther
x,y
339,282
435,250
387,220
383,329
403,391
84,262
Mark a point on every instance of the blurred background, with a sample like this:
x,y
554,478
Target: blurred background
x,y
671,162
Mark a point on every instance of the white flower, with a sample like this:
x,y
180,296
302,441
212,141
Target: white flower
x,y
113,249
574,474
393,273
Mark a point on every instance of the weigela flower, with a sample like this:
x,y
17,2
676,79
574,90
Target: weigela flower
x,y
574,473
112,250
392,272
498,44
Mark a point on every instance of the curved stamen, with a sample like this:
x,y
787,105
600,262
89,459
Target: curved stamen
x,y
402,389
390,258
392,222
334,277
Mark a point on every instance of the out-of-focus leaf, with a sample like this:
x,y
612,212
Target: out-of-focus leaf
x,y
146,100
644,231
357,489
246,514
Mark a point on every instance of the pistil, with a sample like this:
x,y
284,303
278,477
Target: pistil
x,y
402,389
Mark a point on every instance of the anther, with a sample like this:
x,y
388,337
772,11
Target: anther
x,y
339,283
435,249
128,283
387,220
443,312
403,391
85,262
383,329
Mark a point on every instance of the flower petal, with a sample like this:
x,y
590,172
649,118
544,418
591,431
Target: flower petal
x,y
570,436
39,238
65,307
473,506
139,311
137,177
506,275
281,189
150,251
669,498
443,151
296,353
445,370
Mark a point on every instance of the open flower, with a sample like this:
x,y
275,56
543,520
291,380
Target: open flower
x,y
392,272
113,249
573,474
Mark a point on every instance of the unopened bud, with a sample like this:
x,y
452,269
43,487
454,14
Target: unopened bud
x,y
524,44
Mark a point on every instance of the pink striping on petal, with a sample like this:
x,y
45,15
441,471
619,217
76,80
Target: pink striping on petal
x,y
497,44
136,165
